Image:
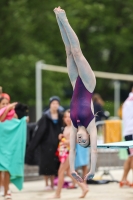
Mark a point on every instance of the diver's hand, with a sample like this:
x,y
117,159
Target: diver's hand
x,y
77,177
88,176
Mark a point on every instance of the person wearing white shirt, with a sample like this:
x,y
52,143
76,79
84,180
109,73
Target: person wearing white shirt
x,y
127,116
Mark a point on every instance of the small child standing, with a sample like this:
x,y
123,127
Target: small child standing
x,y
63,153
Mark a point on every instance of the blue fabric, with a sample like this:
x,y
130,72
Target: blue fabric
x,y
12,149
55,121
82,156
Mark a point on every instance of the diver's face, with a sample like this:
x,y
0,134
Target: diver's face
x,y
83,138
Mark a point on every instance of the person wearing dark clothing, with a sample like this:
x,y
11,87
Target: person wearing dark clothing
x,y
21,110
46,137
34,159
98,108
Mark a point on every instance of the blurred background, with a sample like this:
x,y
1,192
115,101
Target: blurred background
x,y
29,33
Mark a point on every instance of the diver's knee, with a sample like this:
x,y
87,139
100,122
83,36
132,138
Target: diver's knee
x,y
76,51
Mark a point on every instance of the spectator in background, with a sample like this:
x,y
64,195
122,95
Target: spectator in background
x,y
1,176
98,108
46,136
4,94
35,156
21,111
127,116
6,112
63,154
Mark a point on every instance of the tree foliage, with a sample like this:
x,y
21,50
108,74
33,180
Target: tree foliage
x,y
29,33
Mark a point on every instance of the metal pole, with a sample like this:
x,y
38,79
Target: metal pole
x,y
38,90
116,97
106,75
98,74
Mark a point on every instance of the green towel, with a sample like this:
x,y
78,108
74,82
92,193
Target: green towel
x,y
12,149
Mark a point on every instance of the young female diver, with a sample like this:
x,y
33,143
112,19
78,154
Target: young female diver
x,y
83,81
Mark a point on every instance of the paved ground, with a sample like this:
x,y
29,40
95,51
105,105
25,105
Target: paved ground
x,y
110,191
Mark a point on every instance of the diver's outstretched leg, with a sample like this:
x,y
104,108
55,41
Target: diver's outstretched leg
x,y
72,37
62,31
83,66
71,65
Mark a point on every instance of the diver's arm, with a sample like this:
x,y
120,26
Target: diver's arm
x,y
73,138
93,143
73,134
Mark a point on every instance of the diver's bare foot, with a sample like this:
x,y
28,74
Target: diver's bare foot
x,y
85,191
61,14
55,10
58,9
